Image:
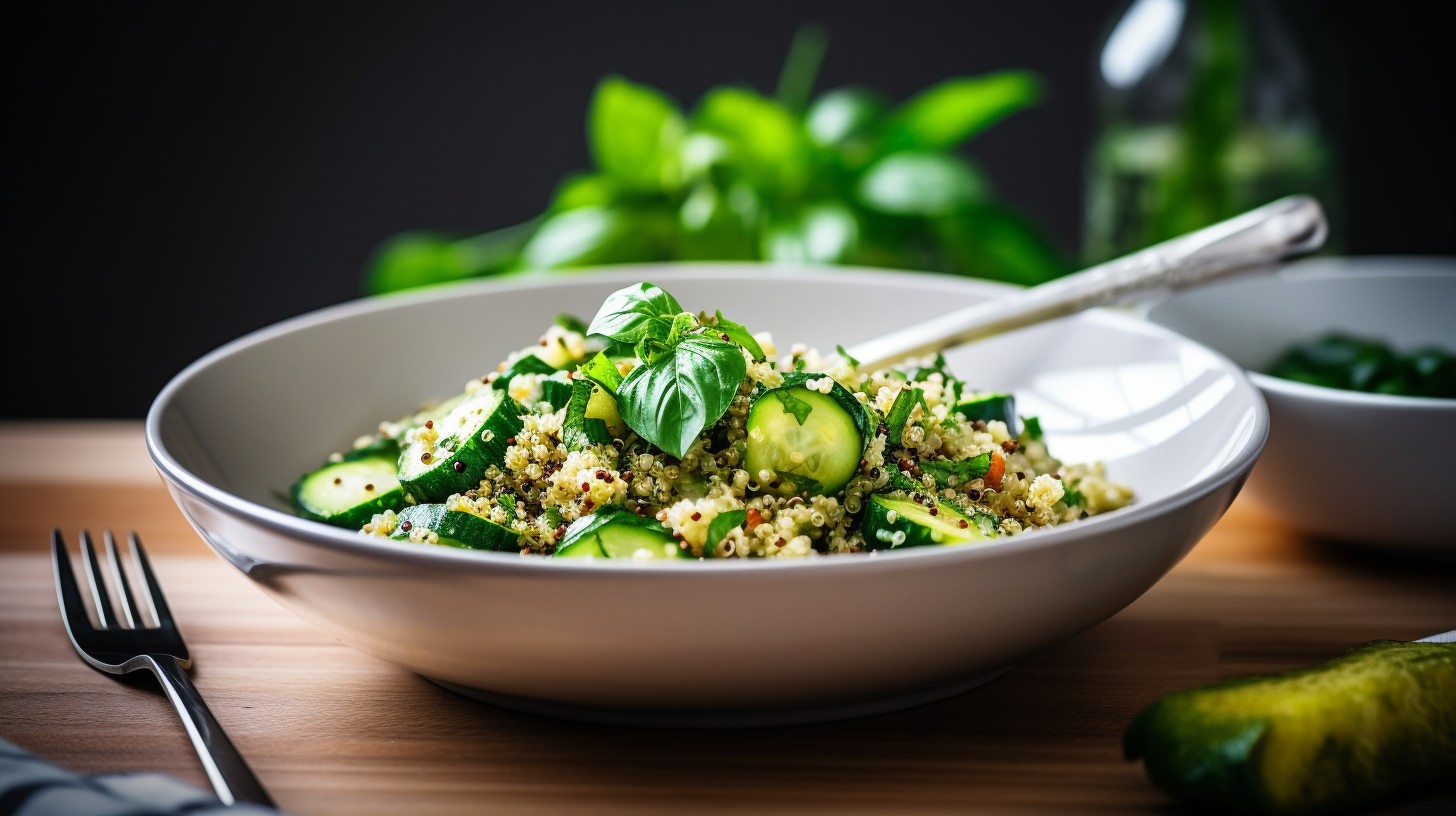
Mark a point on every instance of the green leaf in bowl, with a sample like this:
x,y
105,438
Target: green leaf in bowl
x,y
671,400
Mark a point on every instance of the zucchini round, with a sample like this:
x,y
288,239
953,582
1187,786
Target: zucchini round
x,y
462,444
456,528
615,533
892,523
989,406
810,441
348,493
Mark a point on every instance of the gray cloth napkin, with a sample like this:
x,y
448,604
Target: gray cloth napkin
x,y
31,786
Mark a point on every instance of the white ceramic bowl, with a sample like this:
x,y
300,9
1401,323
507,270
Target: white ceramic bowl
x,y
704,643
1367,468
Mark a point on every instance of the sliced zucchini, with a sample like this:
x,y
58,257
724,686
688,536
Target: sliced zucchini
x,y
955,474
616,533
529,364
580,429
453,454
379,447
349,493
420,417
989,406
811,441
556,390
456,528
892,523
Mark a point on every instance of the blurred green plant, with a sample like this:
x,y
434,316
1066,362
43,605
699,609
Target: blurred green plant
x,y
844,178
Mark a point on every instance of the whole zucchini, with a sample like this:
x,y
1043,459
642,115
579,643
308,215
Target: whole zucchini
x,y
1373,726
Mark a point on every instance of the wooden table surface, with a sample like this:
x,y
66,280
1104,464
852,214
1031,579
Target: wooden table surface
x,y
331,730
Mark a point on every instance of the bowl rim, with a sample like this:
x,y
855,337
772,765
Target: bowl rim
x,y
319,535
1345,397
1349,267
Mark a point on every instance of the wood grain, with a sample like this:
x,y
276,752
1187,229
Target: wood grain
x,y
330,730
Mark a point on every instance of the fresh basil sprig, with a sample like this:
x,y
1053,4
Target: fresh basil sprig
x,y
687,377
844,177
636,312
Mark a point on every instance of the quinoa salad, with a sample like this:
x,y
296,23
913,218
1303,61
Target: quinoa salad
x,y
652,432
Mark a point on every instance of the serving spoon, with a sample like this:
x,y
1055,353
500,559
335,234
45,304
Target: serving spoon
x,y
1258,238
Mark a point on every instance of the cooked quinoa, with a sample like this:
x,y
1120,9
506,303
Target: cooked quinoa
x,y
545,482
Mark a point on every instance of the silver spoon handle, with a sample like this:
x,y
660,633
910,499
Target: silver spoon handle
x,y
1286,227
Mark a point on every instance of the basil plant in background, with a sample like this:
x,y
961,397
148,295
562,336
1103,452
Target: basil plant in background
x,y
844,178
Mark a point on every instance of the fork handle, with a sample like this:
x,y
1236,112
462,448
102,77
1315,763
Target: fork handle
x,y
231,778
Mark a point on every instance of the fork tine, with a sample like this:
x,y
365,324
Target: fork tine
x,y
129,609
160,612
73,609
105,614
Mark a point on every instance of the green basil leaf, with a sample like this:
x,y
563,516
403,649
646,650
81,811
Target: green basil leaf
x,y
921,184
899,413
602,371
628,315
723,524
672,399
848,358
651,349
636,135
950,112
964,470
738,333
793,405
682,323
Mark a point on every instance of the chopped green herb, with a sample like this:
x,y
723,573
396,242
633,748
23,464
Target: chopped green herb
x,y
793,405
723,524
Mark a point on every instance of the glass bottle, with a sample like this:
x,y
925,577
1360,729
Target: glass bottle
x,y
1206,111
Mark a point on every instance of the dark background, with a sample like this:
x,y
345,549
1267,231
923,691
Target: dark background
x,y
181,174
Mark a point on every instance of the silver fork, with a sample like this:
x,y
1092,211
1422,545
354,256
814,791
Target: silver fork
x,y
127,644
